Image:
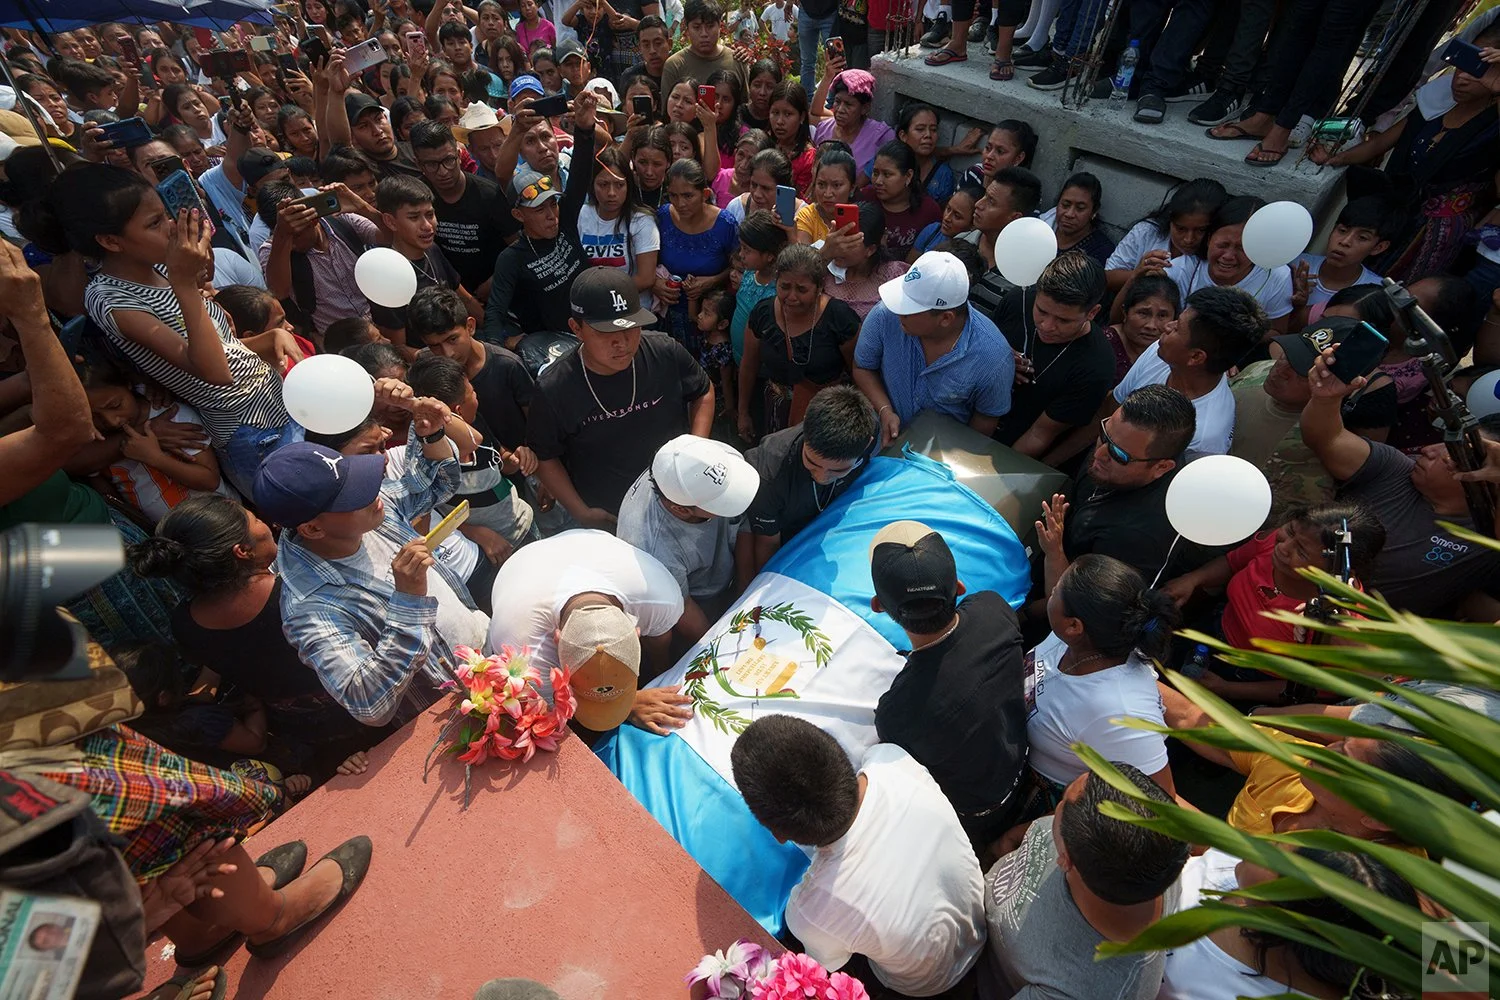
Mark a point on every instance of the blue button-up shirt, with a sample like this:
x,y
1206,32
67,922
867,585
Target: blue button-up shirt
x,y
367,641
975,376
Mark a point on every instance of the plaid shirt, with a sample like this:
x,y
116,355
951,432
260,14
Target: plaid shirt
x,y
366,640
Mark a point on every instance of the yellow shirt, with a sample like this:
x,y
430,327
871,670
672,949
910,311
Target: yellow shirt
x,y
811,223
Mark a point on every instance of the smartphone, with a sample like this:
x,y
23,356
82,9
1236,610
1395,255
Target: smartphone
x,y
325,203
448,525
641,104
314,49
845,215
550,107
290,11
1465,56
224,63
368,53
786,204
707,96
288,63
128,51
178,192
1358,353
166,166
263,43
127,133
833,47
416,44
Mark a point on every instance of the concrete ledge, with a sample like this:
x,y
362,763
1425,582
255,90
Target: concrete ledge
x,y
1136,163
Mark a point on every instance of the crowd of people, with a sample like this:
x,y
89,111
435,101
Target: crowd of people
x,y
675,288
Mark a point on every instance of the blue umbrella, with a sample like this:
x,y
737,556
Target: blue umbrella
x,y
64,15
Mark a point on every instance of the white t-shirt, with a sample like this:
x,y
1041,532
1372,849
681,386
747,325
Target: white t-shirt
x,y
1272,289
457,623
1142,238
1063,709
699,556
1201,970
1321,293
902,888
743,25
604,243
458,552
775,17
1215,409
151,490
534,584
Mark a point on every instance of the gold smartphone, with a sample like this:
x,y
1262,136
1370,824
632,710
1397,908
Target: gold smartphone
x,y
448,525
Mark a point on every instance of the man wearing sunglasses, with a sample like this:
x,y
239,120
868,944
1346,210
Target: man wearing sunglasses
x,y
1119,507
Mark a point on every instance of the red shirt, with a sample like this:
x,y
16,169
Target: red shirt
x,y
1252,590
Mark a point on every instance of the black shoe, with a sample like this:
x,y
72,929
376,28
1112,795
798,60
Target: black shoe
x,y
1223,106
286,861
1054,77
1032,59
976,32
1151,109
1191,89
941,31
353,859
1102,89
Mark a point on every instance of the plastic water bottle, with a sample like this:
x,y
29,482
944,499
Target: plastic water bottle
x,y
1197,664
1128,60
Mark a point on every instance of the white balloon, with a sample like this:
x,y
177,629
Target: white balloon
x,y
328,393
1484,395
1023,249
1217,500
1277,233
385,277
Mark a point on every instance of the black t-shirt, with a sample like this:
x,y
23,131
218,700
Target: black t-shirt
x,y
1131,526
255,657
606,428
474,229
814,355
788,499
959,706
432,269
400,165
1068,383
504,388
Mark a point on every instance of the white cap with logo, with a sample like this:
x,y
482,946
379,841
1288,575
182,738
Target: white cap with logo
x,y
701,472
938,280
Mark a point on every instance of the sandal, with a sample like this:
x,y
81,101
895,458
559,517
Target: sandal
x,y
220,950
945,56
1255,156
353,859
1235,132
186,983
1003,69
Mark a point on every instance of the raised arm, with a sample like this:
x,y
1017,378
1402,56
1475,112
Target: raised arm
x,y
1342,452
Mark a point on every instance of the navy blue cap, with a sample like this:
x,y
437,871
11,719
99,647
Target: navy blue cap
x,y
297,483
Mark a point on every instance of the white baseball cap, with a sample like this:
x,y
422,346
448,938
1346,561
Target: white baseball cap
x,y
701,472
938,280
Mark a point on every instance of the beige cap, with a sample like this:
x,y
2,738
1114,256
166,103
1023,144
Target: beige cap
x,y
600,645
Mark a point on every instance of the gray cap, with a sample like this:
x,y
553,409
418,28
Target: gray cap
x,y
514,989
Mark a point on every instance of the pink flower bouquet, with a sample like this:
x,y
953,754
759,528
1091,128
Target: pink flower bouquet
x,y
746,970
502,713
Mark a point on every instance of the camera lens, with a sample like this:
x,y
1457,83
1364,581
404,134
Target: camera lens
x,y
42,566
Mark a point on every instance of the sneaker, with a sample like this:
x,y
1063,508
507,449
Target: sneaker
x,y
1193,89
1151,109
1302,132
1032,59
1103,87
1224,106
1054,77
976,31
941,31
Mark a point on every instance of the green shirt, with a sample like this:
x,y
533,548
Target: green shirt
x,y
58,500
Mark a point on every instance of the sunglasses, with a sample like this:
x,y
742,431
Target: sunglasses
x,y
535,188
1117,454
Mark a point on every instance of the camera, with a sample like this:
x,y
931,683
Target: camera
x,y
41,567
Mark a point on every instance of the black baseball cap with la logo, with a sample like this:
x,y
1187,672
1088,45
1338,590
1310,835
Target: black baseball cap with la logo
x,y
605,298
1302,349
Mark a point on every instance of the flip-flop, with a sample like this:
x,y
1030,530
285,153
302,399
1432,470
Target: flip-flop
x,y
1276,156
185,980
945,56
1003,69
1239,132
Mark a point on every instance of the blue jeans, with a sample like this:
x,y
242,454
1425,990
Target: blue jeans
x,y
812,32
241,456
1077,21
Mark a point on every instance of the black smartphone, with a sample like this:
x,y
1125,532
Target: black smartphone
x,y
833,47
641,105
325,203
288,63
314,49
127,133
1358,353
225,63
1465,56
165,166
550,107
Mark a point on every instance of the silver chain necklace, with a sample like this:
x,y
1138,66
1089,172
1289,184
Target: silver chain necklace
x,y
606,410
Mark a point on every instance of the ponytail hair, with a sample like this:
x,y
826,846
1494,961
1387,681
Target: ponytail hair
x,y
194,545
83,203
1120,614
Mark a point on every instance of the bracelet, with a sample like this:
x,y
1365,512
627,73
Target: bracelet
x,y
434,437
878,412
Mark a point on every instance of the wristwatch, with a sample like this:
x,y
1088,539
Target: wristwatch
x,y
434,437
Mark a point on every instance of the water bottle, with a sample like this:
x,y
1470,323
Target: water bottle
x,y
1197,664
1128,60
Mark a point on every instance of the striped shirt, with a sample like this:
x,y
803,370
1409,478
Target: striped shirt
x,y
252,399
338,295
